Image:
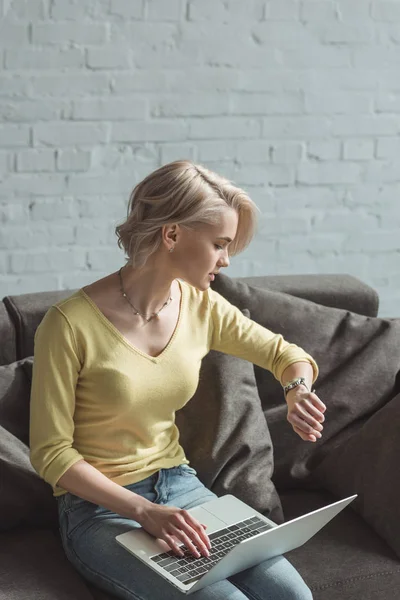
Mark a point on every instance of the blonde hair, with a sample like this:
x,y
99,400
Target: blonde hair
x,y
187,194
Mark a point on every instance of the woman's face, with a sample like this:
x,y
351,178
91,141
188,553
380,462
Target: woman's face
x,y
202,252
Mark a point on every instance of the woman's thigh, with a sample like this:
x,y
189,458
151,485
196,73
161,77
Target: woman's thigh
x,y
88,535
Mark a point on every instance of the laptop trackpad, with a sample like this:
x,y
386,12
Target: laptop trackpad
x,y
204,516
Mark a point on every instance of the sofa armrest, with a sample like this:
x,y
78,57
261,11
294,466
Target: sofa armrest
x,y
338,291
366,463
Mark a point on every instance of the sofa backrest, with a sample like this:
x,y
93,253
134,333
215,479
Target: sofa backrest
x,y
20,315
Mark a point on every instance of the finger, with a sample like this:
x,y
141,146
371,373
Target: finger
x,y
183,537
304,436
312,410
300,412
173,544
317,401
199,528
297,421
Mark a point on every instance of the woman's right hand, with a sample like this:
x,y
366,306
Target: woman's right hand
x,y
174,525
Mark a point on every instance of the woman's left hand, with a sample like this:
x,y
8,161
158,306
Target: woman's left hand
x,y
305,413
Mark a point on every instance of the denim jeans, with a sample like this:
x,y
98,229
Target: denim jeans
x,y
88,536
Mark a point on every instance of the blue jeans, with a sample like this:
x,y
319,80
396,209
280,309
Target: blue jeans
x,y
88,536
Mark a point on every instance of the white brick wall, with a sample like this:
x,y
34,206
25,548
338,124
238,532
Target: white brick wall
x,y
298,101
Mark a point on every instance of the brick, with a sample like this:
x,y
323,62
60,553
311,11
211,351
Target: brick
x,y
325,173
124,157
43,58
270,225
178,151
159,10
349,34
134,9
330,102
30,110
342,220
185,105
295,127
150,131
21,184
36,235
52,209
356,10
389,102
5,162
281,34
372,241
264,175
26,9
227,11
47,262
323,149
315,244
109,57
282,10
77,33
73,160
110,109
359,125
94,232
287,103
382,170
4,260
224,128
388,147
251,151
12,86
61,85
110,258
14,135
315,10
145,34
301,199
12,34
376,57
32,161
287,152
354,149
75,10
69,134
113,183
15,285
13,213
109,206
315,55
385,11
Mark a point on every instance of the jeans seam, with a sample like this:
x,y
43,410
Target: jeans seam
x,y
245,591
99,575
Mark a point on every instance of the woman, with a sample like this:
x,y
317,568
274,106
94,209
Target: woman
x,y
115,360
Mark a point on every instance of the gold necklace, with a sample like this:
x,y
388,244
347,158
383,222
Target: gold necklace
x,y
136,311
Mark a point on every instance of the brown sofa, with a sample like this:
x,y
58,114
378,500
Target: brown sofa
x,y
334,318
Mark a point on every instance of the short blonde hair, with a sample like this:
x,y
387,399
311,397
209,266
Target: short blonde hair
x,y
187,194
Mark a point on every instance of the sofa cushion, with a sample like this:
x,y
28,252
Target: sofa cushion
x,y
33,566
225,435
359,367
24,496
346,559
368,465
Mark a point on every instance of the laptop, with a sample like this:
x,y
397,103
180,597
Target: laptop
x,y
240,538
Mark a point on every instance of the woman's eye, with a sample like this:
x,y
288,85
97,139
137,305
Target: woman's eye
x,y
218,247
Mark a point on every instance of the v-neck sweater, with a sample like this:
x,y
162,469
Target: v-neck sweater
x,y
97,397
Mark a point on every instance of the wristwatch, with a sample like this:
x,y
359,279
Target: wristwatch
x,y
294,383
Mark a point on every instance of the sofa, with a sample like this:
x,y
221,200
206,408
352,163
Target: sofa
x,y
236,436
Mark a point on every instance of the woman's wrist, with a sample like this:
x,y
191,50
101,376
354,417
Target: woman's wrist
x,y
293,393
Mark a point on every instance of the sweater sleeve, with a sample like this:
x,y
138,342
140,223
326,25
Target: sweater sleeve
x,y
56,368
233,333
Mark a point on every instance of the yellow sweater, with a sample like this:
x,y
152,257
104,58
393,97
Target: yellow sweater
x,y
96,397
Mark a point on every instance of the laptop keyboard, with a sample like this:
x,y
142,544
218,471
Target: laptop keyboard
x,y
188,568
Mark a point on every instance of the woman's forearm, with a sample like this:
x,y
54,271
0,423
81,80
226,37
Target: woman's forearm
x,y
88,483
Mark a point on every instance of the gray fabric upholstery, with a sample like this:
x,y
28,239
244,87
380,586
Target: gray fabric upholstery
x,y
24,496
33,567
347,560
359,366
225,436
368,464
